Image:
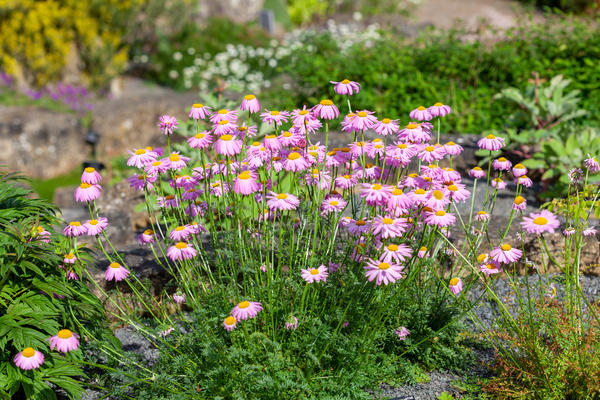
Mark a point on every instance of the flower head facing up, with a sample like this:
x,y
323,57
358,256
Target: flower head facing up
x,y
64,341
75,228
229,323
116,272
538,223
519,203
246,310
28,359
312,275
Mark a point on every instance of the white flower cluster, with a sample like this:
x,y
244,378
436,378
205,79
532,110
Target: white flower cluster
x,y
249,68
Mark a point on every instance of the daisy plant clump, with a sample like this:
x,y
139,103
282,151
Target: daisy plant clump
x,y
46,310
322,261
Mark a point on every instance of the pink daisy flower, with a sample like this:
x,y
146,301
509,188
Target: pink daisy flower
x,y
199,111
223,114
282,201
245,183
363,120
523,180
64,341
414,133
395,253
146,237
228,145
200,140
592,164
179,297
116,272
491,143
505,254
244,131
476,173
439,110
291,323
440,218
29,359
345,181
250,104
94,227
402,332
382,272
482,216
376,194
91,176
519,204
490,268
333,204
387,126
358,227
276,117
458,192
519,170
420,114
41,234
86,192
69,258
437,200
224,127
176,161
181,251
312,275
246,309
168,124
501,164
498,183
455,286
156,167
229,323
590,231
326,110
346,87
74,229
453,149
389,227
180,233
294,162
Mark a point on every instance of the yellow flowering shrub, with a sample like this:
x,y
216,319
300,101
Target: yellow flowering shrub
x,y
38,36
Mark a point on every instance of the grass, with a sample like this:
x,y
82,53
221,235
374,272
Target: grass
x,y
45,187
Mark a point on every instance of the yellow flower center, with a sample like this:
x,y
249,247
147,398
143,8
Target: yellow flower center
x,y
362,114
376,186
244,304
438,104
438,194
490,136
386,121
453,188
115,265
345,81
85,186
326,102
421,108
402,146
181,245
411,126
180,228
397,192
75,223
314,271
392,247
155,164
540,221
249,97
477,169
519,200
287,134
28,352
64,334
244,175
420,191
440,213
140,151
148,232
347,176
384,265
429,148
282,196
481,257
199,135
40,229
226,138
229,320
89,170
506,247
294,156
197,105
387,221
70,255
274,112
334,202
423,248
174,157
361,222
491,266
303,112
222,111
93,222
223,122
169,197
502,159
453,281
481,213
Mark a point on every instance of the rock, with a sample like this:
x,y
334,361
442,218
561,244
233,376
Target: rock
x,y
40,143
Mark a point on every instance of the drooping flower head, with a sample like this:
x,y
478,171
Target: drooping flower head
x,y
199,111
228,145
250,103
146,237
94,227
455,286
75,228
491,143
277,117
346,87
326,110
64,341
402,332
420,114
291,323
439,110
29,358
91,176
86,192
116,272
168,124
229,323
592,164
476,173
